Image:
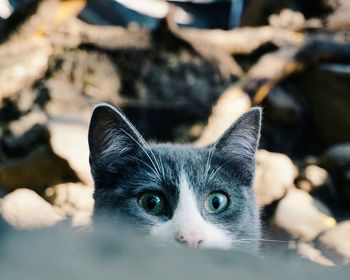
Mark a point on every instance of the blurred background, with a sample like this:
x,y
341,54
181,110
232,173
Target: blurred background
x,y
182,71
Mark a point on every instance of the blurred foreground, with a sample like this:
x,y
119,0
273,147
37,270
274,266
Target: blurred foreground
x,y
109,253
180,84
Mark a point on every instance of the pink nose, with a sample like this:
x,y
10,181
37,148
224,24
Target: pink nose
x,y
190,240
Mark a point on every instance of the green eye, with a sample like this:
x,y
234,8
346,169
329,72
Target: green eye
x,y
216,202
153,203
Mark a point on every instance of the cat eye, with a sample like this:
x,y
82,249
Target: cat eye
x,y
152,203
216,202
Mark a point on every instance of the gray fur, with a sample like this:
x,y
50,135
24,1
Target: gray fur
x,y
124,166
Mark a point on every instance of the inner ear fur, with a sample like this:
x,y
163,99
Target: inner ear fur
x,y
110,131
242,138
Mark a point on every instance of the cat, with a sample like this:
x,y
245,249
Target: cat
x,y
179,194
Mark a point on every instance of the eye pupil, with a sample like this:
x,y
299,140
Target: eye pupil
x,y
152,202
216,202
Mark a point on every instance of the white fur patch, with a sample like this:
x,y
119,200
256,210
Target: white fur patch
x,y
188,224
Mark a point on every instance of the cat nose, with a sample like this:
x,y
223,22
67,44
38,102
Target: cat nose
x,y
190,240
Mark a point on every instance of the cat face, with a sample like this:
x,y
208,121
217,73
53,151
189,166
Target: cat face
x,y
199,197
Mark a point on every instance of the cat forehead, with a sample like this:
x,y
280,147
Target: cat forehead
x,y
179,150
196,159
197,163
181,157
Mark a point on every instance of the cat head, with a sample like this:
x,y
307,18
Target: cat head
x,y
196,196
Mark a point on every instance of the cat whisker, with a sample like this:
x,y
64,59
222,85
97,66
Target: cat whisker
x,y
150,155
162,166
265,240
212,175
149,166
242,242
154,157
207,166
144,150
159,164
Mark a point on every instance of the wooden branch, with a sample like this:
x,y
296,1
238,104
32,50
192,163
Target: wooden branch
x,y
274,67
75,32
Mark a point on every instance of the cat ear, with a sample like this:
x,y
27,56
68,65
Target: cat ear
x,y
111,135
242,138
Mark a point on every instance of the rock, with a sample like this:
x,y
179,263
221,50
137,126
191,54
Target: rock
x,y
38,170
69,140
271,65
275,174
298,215
13,11
257,11
339,19
316,175
288,19
26,99
54,151
328,99
304,185
64,97
26,122
308,251
80,74
21,64
338,239
24,209
72,200
2,193
16,146
9,8
91,73
21,106
282,107
313,178
230,106
338,156
337,161
6,9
